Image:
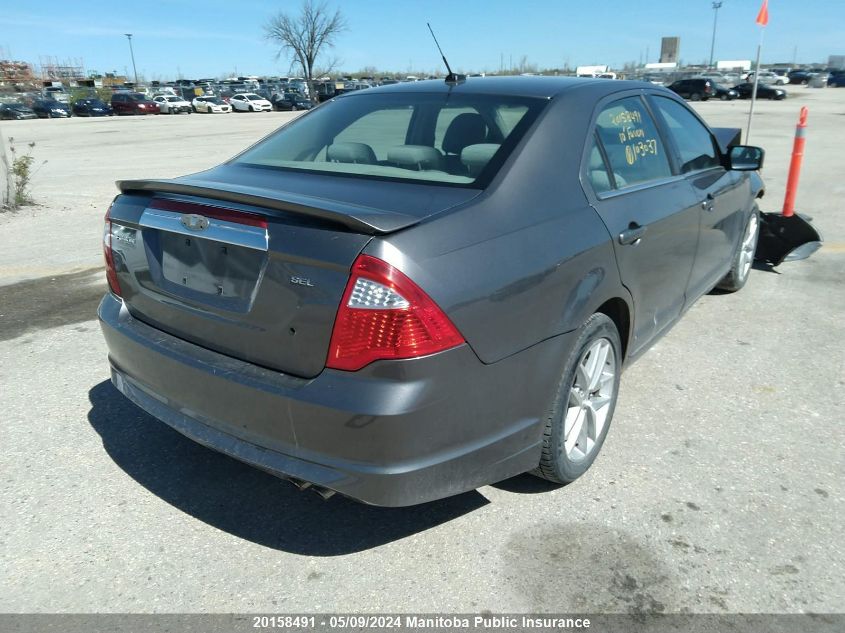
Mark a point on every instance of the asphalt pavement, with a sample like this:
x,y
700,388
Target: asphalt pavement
x,y
720,487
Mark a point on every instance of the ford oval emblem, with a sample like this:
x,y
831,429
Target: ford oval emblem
x,y
194,222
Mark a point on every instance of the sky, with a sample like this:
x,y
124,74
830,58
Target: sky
x,y
210,38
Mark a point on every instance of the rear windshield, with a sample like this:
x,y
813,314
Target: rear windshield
x,y
440,138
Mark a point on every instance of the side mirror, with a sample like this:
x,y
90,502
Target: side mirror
x,y
746,158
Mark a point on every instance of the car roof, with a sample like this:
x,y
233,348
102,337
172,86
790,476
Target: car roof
x,y
542,87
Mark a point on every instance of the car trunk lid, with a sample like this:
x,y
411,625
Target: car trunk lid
x,y
251,265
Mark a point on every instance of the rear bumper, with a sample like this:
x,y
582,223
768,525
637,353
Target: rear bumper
x,y
393,434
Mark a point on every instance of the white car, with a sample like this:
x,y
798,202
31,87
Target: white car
x,y
171,104
250,102
768,77
210,104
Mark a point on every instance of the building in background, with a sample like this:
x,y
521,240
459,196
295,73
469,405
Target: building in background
x,y
66,71
836,61
734,64
670,48
15,72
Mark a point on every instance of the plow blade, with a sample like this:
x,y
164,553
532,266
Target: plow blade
x,y
786,238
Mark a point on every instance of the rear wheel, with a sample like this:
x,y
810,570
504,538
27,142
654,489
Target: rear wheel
x,y
695,96
579,417
744,256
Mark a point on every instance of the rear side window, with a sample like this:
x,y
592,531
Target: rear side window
x,y
632,144
597,169
695,144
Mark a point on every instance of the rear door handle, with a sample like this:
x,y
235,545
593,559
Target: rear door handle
x,y
632,234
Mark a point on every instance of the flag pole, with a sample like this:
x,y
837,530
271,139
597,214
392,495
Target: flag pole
x,y
754,91
762,20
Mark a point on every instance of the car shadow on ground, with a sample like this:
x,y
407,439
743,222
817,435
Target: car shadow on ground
x,y
527,484
246,502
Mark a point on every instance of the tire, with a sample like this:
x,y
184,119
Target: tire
x,y
744,256
563,461
723,97
293,108
695,96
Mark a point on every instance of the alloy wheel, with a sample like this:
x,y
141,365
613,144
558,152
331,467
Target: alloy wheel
x,y
590,397
749,245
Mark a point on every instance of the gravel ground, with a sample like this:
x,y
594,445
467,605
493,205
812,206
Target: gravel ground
x,y
719,489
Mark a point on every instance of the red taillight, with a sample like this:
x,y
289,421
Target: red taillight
x,y
385,315
111,273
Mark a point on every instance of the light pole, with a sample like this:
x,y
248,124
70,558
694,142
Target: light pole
x,y
132,52
716,7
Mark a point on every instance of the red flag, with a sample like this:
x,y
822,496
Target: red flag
x,y
763,16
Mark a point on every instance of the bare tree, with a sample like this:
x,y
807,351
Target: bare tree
x,y
302,38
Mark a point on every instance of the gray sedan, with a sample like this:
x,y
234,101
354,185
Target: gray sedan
x,y
414,291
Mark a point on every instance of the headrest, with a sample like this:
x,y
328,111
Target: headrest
x,y
351,153
465,129
476,157
418,157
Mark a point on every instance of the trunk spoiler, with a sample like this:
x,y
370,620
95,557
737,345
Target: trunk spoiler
x,y
355,217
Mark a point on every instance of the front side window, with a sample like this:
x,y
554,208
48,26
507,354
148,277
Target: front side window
x,y
694,142
428,137
633,147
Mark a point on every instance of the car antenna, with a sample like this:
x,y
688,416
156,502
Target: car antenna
x,y
451,78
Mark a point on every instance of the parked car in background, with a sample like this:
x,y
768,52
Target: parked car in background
x,y
724,93
746,89
171,104
250,102
11,111
800,77
50,109
210,104
133,103
291,101
56,92
91,107
412,291
769,77
695,89
836,79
